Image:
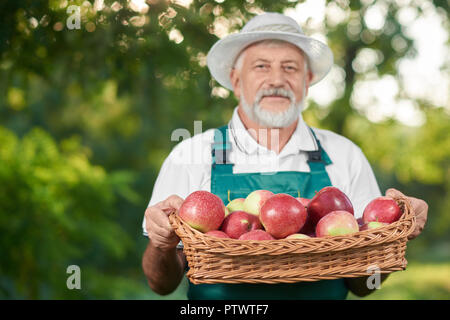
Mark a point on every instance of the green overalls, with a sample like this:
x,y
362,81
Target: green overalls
x,y
226,184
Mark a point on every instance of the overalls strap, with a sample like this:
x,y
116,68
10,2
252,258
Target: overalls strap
x,y
220,151
229,186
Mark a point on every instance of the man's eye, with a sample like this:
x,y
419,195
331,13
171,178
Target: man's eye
x,y
260,66
290,68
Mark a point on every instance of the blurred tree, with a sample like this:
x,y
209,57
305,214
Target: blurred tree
x,y
57,209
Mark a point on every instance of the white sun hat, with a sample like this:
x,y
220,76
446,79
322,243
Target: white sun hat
x,y
222,56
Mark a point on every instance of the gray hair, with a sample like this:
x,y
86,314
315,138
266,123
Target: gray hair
x,y
269,43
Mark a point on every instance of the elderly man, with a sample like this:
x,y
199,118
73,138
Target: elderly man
x,y
269,65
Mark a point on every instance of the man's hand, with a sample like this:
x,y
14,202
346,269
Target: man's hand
x,y
162,263
157,224
420,208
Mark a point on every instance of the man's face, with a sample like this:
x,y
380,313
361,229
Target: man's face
x,y
271,67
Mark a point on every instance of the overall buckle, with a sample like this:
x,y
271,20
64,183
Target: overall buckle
x,y
315,156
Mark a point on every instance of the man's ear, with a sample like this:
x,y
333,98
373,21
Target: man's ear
x,y
235,82
308,79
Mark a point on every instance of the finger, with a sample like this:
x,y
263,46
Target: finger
x,y
394,193
173,202
161,231
419,205
155,229
159,218
420,208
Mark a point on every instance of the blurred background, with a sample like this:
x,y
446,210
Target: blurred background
x,y
87,108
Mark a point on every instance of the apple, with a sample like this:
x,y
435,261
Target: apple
x,y
282,215
372,225
328,199
217,233
227,212
297,236
255,200
337,223
309,227
256,235
303,201
382,209
203,211
236,205
239,222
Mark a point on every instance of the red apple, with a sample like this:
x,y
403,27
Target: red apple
x,y
327,200
255,200
309,227
239,222
217,233
256,235
282,215
203,211
337,223
297,236
382,209
236,205
372,225
303,201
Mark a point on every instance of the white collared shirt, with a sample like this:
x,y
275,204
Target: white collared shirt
x,y
188,166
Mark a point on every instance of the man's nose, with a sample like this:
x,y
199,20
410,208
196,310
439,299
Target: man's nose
x,y
277,77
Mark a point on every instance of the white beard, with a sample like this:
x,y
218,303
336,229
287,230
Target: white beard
x,y
273,119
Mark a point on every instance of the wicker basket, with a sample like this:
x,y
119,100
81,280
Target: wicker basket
x,y
222,260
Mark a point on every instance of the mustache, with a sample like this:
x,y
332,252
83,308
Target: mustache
x,y
274,92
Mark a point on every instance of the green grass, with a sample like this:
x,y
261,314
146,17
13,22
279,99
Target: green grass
x,y
420,281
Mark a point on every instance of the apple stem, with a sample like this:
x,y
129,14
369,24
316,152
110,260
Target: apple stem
x,y
228,195
298,193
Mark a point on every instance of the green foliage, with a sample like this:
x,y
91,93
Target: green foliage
x,y
57,209
418,282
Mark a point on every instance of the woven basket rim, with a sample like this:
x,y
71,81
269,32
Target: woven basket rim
x,y
399,229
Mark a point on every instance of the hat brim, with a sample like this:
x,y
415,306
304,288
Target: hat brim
x,y
222,55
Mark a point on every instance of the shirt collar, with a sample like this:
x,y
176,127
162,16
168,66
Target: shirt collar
x,y
301,139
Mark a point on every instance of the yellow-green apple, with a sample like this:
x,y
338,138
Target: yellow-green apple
x,y
256,235
382,209
328,199
217,233
236,205
297,236
239,222
227,212
255,200
337,223
203,211
372,225
282,215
